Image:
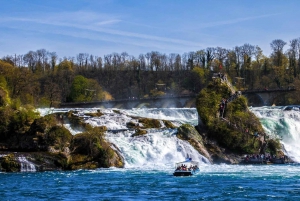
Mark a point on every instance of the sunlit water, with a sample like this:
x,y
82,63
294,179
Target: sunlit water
x,y
149,162
214,182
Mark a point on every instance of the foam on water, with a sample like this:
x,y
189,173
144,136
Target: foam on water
x,y
26,166
183,115
158,149
150,150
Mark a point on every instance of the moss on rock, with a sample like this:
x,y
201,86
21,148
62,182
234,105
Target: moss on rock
x,y
139,132
58,137
233,131
189,133
10,164
92,149
150,123
169,124
95,114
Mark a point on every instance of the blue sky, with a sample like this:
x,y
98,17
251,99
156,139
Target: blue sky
x,y
100,27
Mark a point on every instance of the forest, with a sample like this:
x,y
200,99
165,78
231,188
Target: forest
x,y
42,79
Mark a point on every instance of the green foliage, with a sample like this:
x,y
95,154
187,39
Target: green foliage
x,y
4,95
65,65
59,137
44,102
92,144
3,82
201,74
209,99
43,124
78,89
20,119
84,89
156,93
231,131
16,104
5,113
88,142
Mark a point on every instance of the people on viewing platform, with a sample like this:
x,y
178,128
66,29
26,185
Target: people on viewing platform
x,y
220,75
265,158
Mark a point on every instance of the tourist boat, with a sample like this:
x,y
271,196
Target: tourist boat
x,y
186,168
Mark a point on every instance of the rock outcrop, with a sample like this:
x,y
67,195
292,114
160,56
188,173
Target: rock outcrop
x,y
228,128
189,133
50,146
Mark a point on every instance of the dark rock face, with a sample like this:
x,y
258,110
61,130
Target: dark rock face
x,y
8,163
189,133
41,161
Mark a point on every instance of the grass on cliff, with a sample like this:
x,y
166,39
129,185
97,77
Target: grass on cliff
x,y
234,131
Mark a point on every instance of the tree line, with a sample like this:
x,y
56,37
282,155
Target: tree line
x,y
43,78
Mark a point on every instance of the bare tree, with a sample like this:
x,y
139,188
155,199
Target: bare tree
x,y
30,59
277,47
177,64
53,57
142,62
292,54
210,51
220,54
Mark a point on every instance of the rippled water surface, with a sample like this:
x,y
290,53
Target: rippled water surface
x,y
214,182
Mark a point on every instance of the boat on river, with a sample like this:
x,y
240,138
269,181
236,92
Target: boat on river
x,y
186,168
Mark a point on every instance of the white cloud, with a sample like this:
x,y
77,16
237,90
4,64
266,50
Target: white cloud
x,y
234,21
95,22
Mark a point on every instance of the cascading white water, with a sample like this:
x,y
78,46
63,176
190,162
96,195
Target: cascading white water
x,y
282,124
26,166
159,148
183,115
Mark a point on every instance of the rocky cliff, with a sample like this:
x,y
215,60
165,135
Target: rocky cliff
x,y
50,146
229,130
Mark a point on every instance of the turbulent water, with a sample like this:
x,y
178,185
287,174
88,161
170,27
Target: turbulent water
x,y
282,124
149,162
159,148
214,182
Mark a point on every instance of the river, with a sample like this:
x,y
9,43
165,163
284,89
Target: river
x,y
149,163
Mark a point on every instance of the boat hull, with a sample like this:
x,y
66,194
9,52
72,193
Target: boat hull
x,y
182,173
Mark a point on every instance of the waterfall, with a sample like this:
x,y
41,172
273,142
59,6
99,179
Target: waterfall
x,y
282,124
159,148
26,166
